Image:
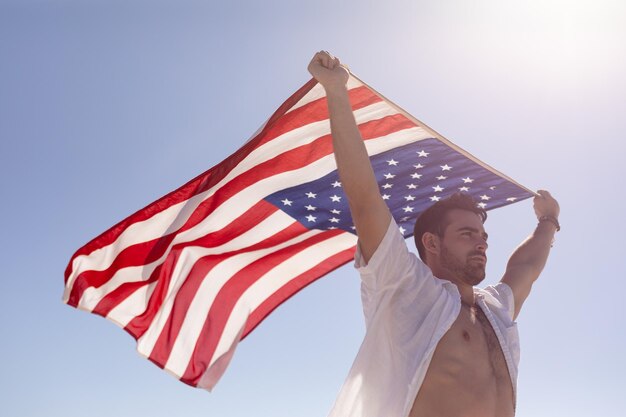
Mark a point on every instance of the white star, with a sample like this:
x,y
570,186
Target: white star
x,y
468,180
402,230
422,154
387,185
511,199
333,220
389,176
408,209
481,205
493,187
409,198
336,184
335,211
386,196
441,178
286,202
392,162
418,166
335,198
416,176
311,195
352,227
445,167
464,189
435,198
485,197
310,208
404,219
331,228
411,186
438,189
311,218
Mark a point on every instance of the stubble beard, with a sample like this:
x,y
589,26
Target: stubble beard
x,y
467,272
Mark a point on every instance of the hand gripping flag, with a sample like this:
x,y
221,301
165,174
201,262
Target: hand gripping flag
x,y
193,273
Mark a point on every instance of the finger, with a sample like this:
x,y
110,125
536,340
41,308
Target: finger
x,y
325,58
544,193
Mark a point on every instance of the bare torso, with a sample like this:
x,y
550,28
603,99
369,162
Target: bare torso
x,y
468,375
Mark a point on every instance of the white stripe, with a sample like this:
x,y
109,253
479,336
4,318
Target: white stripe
x,y
132,306
275,279
205,296
93,295
304,135
318,92
188,258
314,93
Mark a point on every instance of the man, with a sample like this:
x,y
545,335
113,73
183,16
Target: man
x,y
435,345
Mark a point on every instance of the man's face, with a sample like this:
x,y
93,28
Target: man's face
x,y
464,246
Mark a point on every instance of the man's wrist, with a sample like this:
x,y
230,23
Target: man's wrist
x,y
550,219
335,89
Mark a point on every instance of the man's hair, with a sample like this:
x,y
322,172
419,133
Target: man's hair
x,y
434,218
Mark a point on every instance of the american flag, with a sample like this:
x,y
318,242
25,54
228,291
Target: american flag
x,y
193,273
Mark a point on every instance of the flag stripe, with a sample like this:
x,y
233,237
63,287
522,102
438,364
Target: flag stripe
x,y
288,290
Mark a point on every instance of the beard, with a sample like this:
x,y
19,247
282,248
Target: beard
x,y
469,272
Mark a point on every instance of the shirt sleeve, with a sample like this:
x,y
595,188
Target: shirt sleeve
x,y
392,268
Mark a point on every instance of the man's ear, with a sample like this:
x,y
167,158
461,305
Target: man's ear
x,y
431,243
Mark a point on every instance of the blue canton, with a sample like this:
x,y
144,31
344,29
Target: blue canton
x,y
411,178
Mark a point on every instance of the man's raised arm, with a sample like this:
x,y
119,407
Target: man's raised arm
x,y
530,257
369,212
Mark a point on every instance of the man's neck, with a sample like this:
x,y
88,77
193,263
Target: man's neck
x,y
466,290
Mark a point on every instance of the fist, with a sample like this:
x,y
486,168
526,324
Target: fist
x,y
328,71
545,205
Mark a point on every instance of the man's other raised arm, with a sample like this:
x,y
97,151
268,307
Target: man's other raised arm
x,y
369,212
528,260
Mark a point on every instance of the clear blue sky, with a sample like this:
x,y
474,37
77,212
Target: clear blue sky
x,y
107,105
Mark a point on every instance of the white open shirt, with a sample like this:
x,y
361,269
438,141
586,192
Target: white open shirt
x,y
407,311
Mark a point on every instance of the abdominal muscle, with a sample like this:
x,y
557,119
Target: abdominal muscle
x,y
468,374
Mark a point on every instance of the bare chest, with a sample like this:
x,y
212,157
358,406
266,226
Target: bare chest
x,y
469,366
472,344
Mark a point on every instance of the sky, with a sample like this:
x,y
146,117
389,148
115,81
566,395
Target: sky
x,y
107,105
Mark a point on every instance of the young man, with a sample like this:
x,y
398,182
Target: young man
x,y
435,345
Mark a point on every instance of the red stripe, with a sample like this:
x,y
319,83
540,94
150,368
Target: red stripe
x,y
290,160
228,296
293,286
165,342
316,111
136,255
